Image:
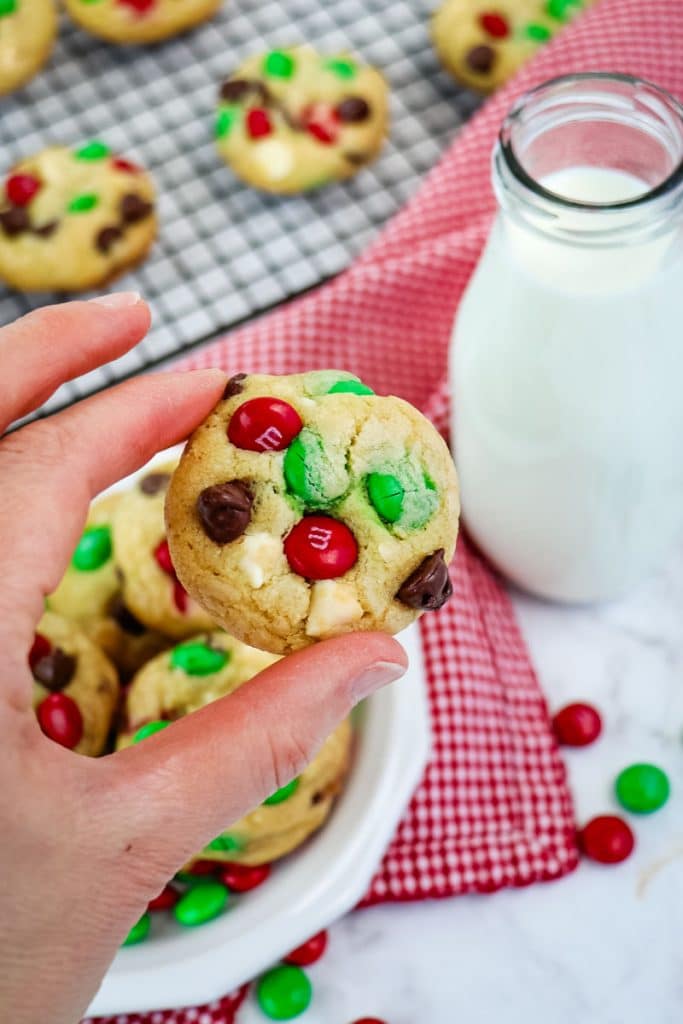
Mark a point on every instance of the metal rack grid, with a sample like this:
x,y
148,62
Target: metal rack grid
x,y
227,252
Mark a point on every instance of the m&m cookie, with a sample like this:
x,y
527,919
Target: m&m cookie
x,y
483,43
27,34
139,21
74,219
150,588
195,673
292,120
90,594
75,687
307,506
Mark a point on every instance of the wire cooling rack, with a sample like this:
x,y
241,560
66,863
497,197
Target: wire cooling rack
x,y
227,252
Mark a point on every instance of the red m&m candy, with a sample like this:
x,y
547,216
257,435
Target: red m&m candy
x,y
494,24
162,557
139,6
368,1020
121,164
320,548
607,839
308,952
264,425
242,877
321,121
21,188
258,123
40,648
577,725
60,719
166,900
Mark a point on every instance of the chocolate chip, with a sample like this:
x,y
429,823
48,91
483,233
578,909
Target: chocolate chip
x,y
134,208
124,617
46,230
235,89
225,510
14,221
356,158
234,386
429,586
106,238
154,482
480,59
317,798
354,109
55,670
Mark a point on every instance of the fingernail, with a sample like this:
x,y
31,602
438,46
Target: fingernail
x,y
378,675
117,300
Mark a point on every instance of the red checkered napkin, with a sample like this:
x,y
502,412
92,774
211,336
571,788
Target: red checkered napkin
x,y
493,808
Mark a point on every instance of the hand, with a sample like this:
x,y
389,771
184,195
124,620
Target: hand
x,y
86,843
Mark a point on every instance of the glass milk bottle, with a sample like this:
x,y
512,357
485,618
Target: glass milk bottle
x,y
567,354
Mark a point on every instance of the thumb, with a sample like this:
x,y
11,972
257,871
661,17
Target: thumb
x,y
172,794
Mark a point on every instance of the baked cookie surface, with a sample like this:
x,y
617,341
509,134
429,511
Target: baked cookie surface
x,y
27,34
150,588
139,21
292,120
199,671
75,689
74,219
483,43
90,595
306,506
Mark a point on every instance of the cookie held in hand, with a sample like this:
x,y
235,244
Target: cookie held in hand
x,y
306,506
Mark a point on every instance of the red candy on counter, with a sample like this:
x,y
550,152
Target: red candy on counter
x,y
242,877
21,188
607,839
264,425
40,648
258,123
368,1020
495,24
60,719
166,900
308,952
577,725
320,548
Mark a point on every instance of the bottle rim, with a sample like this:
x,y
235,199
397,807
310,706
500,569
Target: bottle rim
x,y
515,167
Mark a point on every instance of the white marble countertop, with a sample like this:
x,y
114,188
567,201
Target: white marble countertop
x,y
602,946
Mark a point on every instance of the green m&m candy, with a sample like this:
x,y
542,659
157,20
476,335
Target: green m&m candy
x,y
562,9
148,730
94,150
642,788
539,33
386,494
197,659
7,7
226,843
284,992
201,903
350,386
83,203
280,795
313,471
279,64
138,932
225,121
345,69
93,549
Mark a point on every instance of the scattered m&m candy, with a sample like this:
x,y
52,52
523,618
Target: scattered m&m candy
x,y
308,952
166,900
321,548
264,425
642,788
284,992
243,877
139,931
577,725
201,903
607,839
61,720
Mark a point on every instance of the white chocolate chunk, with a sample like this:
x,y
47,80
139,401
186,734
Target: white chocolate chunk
x,y
276,158
332,605
262,557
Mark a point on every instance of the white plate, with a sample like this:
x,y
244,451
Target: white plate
x,y
306,891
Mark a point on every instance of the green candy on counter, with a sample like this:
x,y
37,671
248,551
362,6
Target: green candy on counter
x,y
642,788
200,904
284,992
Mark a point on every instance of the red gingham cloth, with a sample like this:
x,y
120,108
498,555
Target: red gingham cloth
x,y
493,809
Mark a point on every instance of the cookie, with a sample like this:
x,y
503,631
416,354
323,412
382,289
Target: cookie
x,y
199,671
150,589
291,120
307,506
483,43
74,219
139,21
90,595
75,689
27,34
